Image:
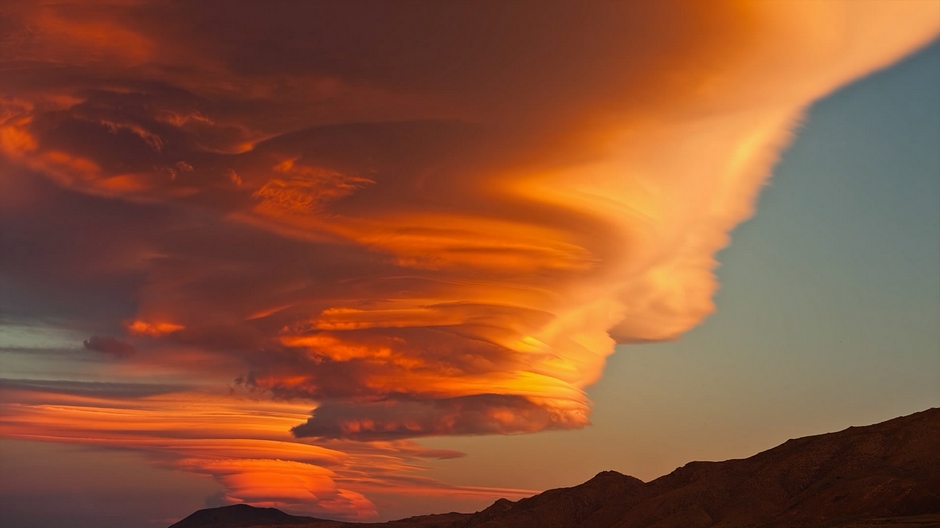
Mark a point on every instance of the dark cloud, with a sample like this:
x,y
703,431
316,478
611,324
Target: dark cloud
x,y
94,389
70,257
388,420
109,345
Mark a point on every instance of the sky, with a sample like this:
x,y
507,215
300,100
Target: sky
x,y
364,262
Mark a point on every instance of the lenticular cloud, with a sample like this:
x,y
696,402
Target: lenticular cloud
x,y
415,219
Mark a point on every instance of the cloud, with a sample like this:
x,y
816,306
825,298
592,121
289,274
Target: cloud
x,y
109,345
87,388
478,414
418,220
242,443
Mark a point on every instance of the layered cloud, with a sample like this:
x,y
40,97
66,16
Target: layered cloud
x,y
242,442
415,219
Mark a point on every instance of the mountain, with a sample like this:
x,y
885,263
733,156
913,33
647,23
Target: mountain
x,y
880,475
242,516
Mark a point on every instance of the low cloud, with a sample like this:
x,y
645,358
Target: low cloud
x,y
241,442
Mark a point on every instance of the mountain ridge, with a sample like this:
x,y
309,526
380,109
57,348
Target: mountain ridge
x,y
886,474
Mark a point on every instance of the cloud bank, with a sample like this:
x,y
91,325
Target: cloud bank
x,y
415,219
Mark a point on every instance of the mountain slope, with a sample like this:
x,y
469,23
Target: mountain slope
x,y
886,474
888,469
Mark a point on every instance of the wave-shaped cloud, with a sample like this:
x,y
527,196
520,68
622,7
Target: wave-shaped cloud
x,y
421,219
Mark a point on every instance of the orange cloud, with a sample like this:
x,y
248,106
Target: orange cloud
x,y
153,329
242,443
434,228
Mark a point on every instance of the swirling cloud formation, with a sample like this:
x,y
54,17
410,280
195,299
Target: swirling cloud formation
x,y
417,219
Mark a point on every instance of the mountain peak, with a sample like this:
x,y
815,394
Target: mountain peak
x,y
608,474
238,516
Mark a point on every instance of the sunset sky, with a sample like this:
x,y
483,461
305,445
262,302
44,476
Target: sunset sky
x,y
366,260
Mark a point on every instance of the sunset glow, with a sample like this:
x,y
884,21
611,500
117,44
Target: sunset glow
x,y
303,236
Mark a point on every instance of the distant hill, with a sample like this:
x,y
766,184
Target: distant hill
x,y
242,516
883,475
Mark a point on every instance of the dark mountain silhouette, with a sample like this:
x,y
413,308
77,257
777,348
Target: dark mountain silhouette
x,y
883,475
241,516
